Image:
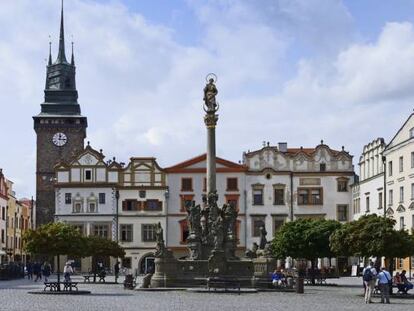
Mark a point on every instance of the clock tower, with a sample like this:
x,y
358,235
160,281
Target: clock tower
x,y
60,127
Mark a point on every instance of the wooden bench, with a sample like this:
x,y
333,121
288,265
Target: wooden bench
x,y
53,286
68,286
87,278
223,283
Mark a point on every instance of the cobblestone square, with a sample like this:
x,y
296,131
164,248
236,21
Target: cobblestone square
x,y
345,296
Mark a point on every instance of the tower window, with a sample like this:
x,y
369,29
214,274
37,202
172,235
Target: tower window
x,y
68,83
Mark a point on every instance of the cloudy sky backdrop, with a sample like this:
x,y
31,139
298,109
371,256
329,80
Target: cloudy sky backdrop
x,y
288,70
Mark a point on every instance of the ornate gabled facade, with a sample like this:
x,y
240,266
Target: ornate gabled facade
x,y
284,184
187,183
60,128
368,191
142,196
86,197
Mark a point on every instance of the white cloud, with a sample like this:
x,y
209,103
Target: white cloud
x,y
142,90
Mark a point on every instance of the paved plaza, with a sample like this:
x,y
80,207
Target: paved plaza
x,y
114,297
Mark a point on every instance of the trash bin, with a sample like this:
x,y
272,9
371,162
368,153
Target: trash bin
x,y
129,281
299,285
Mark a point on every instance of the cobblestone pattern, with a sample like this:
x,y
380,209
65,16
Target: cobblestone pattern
x,y
14,297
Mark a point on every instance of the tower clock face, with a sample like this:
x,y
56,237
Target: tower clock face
x,y
59,139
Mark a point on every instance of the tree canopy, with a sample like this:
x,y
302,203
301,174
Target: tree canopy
x,y
304,238
372,235
55,239
98,246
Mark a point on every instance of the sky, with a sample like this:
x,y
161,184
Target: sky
x,y
295,71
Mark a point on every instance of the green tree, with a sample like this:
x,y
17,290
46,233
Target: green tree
x,y
97,246
305,238
55,239
375,236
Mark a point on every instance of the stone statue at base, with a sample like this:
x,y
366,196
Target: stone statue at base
x,y
263,239
160,250
252,253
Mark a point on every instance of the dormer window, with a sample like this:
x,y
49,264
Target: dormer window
x,y
322,167
88,175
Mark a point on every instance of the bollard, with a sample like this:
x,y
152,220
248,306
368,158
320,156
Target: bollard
x,y
299,285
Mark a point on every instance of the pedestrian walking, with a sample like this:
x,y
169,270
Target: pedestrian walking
x,y
46,270
29,269
369,275
67,271
384,283
116,271
37,271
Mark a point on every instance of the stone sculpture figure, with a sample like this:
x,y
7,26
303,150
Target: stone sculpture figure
x,y
210,92
159,238
263,239
194,219
218,233
252,253
230,215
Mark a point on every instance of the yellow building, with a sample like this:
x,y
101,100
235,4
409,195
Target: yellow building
x,y
17,221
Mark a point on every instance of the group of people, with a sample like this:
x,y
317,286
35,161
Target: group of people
x,y
278,278
371,275
36,270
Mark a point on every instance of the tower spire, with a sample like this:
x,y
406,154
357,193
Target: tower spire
x,y
50,52
72,62
61,56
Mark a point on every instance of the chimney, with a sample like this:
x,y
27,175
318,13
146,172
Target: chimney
x,y
282,147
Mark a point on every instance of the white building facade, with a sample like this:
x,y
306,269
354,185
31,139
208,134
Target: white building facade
x,y
284,184
399,178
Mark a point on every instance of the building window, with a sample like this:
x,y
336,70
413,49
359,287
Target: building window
x,y
68,198
3,213
412,159
186,184
88,175
92,207
2,236
204,184
257,196
412,223
153,205
77,207
279,196
401,162
367,203
232,184
412,132
322,167
126,233
310,196
401,194
148,233
342,212
342,185
102,198
412,191
186,200
130,205
142,194
101,231
390,197
257,223
277,223
127,262
380,200
390,168
402,223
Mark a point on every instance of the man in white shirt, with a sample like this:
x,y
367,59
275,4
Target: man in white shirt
x,y
384,280
369,275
